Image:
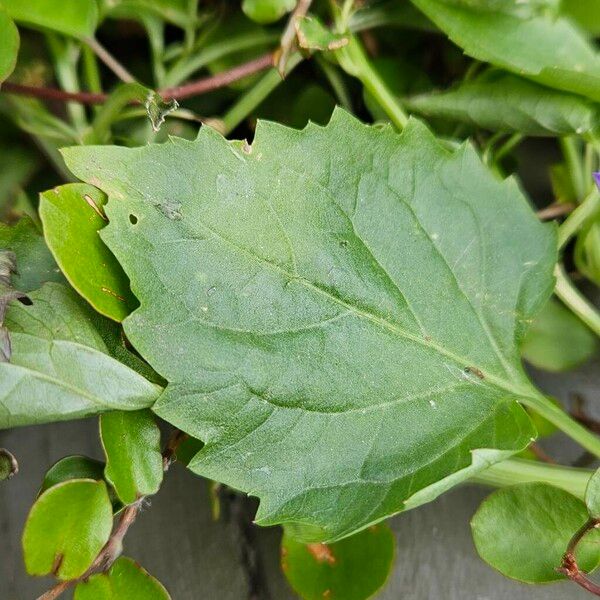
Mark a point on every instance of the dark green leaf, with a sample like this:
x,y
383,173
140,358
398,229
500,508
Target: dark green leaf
x,y
523,531
353,568
77,18
72,215
558,340
267,11
335,309
134,464
8,464
502,102
60,368
125,580
551,51
35,264
9,45
66,528
72,467
585,13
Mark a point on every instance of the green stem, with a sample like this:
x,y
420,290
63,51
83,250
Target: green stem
x,y
354,61
571,296
336,82
556,415
574,164
585,211
516,470
253,97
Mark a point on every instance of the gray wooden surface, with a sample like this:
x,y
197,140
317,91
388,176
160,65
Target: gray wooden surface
x,y
196,558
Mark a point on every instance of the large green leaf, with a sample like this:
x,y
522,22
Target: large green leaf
x,y
59,367
548,50
502,102
134,464
335,309
558,340
125,580
35,264
352,569
66,528
523,531
9,45
72,215
77,18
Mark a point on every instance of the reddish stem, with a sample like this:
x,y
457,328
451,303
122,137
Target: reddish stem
x,y
194,88
569,566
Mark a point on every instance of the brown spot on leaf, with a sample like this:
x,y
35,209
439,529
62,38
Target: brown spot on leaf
x,y
95,207
336,44
321,553
113,294
475,371
327,594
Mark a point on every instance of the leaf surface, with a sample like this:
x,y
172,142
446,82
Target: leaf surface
x,y
549,50
352,569
592,495
9,45
267,11
72,215
35,264
523,531
125,580
134,464
66,528
296,296
503,102
77,18
60,368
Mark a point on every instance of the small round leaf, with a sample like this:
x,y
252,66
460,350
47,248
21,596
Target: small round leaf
x,y
66,528
353,568
125,580
523,532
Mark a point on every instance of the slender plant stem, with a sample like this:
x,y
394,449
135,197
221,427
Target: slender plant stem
x,y
289,35
334,76
509,145
194,88
109,60
573,298
255,95
556,415
589,208
354,61
574,164
569,566
518,470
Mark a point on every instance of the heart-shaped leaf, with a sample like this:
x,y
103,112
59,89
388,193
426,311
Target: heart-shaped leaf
x,y
337,310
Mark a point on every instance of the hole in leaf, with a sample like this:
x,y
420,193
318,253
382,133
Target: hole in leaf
x,y
133,219
25,300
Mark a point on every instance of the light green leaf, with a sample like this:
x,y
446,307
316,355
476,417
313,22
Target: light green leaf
x,y
59,368
72,215
592,495
523,531
35,264
77,18
66,528
125,580
267,11
587,251
551,51
586,13
313,35
558,340
9,45
134,464
352,569
176,12
335,309
502,102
